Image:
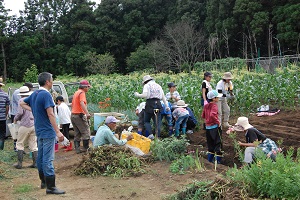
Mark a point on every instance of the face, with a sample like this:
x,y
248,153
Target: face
x,y
112,126
49,83
216,99
172,89
227,80
208,78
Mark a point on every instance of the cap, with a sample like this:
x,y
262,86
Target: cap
x,y
28,84
171,84
213,94
111,119
59,98
85,83
207,74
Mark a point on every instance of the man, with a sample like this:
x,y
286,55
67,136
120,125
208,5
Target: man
x,y
105,134
14,105
80,116
42,106
4,107
153,93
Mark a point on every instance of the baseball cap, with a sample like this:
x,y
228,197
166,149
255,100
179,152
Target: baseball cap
x,y
171,84
111,119
85,83
213,94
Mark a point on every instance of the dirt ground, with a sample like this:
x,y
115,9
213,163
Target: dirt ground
x,y
157,182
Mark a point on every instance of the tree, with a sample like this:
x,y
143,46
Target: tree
x,y
101,63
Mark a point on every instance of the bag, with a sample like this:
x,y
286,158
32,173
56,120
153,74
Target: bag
x,y
13,129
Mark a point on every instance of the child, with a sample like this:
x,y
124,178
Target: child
x,y
139,111
212,123
168,116
172,96
181,115
254,138
64,115
206,87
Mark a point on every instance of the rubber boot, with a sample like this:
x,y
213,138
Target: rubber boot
x,y
176,133
210,157
51,188
183,131
1,144
77,146
86,145
56,148
69,148
147,133
15,144
20,160
140,132
219,159
42,178
34,157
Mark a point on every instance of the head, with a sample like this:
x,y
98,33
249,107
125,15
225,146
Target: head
x,y
146,79
1,83
24,91
172,87
227,77
207,76
213,96
29,85
111,122
59,100
45,80
84,85
242,124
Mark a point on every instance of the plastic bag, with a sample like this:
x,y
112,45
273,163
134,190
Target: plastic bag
x,y
13,129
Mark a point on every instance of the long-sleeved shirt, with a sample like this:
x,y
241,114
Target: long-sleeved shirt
x,y
225,87
105,136
24,116
179,112
210,114
64,113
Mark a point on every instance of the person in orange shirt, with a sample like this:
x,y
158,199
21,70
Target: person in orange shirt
x,y
80,117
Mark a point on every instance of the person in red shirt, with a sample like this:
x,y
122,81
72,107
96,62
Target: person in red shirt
x,y
212,123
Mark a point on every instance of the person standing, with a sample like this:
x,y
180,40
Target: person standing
x,y
4,107
173,95
206,87
80,117
26,132
153,93
224,87
41,104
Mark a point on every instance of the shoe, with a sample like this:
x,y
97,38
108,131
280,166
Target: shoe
x,y
20,160
51,188
151,137
190,132
42,178
77,146
69,148
86,145
34,157
210,157
219,159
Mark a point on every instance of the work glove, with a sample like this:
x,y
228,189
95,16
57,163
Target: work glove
x,y
168,109
66,142
130,128
205,102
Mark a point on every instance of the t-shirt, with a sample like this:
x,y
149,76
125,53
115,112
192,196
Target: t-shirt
x,y
153,90
79,96
225,87
253,134
171,100
207,86
64,113
39,101
4,102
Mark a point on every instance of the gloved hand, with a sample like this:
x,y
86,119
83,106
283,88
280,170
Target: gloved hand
x,y
205,102
66,142
130,128
136,94
167,109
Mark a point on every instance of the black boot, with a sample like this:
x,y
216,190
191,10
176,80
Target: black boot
x,y
15,144
1,144
77,146
86,145
42,178
51,188
34,157
20,160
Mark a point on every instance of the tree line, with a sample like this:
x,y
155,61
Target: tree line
x,y
79,37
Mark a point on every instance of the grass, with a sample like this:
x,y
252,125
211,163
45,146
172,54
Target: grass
x,y
24,188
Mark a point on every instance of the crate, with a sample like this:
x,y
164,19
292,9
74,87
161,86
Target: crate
x,y
139,141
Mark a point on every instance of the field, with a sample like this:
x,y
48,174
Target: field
x,y
252,89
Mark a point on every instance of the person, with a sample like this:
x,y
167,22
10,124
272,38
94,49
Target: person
x,y
225,87
26,132
181,115
168,116
213,131
206,87
105,133
80,117
14,105
192,121
4,107
254,139
64,115
41,104
153,93
139,111
173,95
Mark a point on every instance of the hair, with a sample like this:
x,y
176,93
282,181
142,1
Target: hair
x,y
43,77
82,86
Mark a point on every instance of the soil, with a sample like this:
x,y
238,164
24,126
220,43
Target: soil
x,y
158,182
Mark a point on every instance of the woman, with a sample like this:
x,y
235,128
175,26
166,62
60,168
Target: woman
x,y
206,87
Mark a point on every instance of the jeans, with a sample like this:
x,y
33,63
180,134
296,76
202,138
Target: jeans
x,y
147,118
182,120
46,156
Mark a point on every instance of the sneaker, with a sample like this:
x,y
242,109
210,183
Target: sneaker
x,y
151,137
189,132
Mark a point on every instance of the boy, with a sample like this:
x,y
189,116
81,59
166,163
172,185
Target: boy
x,y
212,123
181,115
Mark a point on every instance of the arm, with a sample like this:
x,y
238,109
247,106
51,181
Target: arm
x,y
165,101
52,119
25,105
247,144
19,114
113,140
84,108
203,94
214,114
203,114
7,109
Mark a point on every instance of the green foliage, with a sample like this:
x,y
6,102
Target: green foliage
x,y
100,64
31,74
168,149
140,59
181,164
24,188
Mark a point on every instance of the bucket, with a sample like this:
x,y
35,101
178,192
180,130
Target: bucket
x,y
99,118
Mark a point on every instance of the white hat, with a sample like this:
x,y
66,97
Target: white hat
x,y
147,78
213,94
181,104
1,82
242,123
111,119
24,91
227,75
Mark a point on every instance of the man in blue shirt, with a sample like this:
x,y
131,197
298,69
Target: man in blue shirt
x,y
42,106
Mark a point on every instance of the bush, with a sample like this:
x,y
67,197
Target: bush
x,y
140,59
31,74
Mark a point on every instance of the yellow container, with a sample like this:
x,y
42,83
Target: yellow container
x,y
139,141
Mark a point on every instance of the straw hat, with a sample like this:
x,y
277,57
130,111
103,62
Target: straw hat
x,y
242,124
1,82
147,78
181,104
227,75
24,91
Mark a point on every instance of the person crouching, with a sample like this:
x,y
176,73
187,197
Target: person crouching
x,y
181,115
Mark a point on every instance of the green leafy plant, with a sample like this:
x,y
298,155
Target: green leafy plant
x,y
181,164
31,74
24,188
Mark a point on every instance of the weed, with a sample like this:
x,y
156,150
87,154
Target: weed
x,y
24,188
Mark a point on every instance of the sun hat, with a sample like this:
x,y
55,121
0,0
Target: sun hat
x,y
181,104
213,94
147,78
171,85
1,82
24,91
227,75
28,84
207,74
59,98
85,83
111,119
242,124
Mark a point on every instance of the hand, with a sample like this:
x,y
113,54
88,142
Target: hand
x,y
88,116
136,94
240,143
65,142
167,109
205,102
137,112
60,136
129,137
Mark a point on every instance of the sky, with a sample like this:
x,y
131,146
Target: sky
x,y
16,5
